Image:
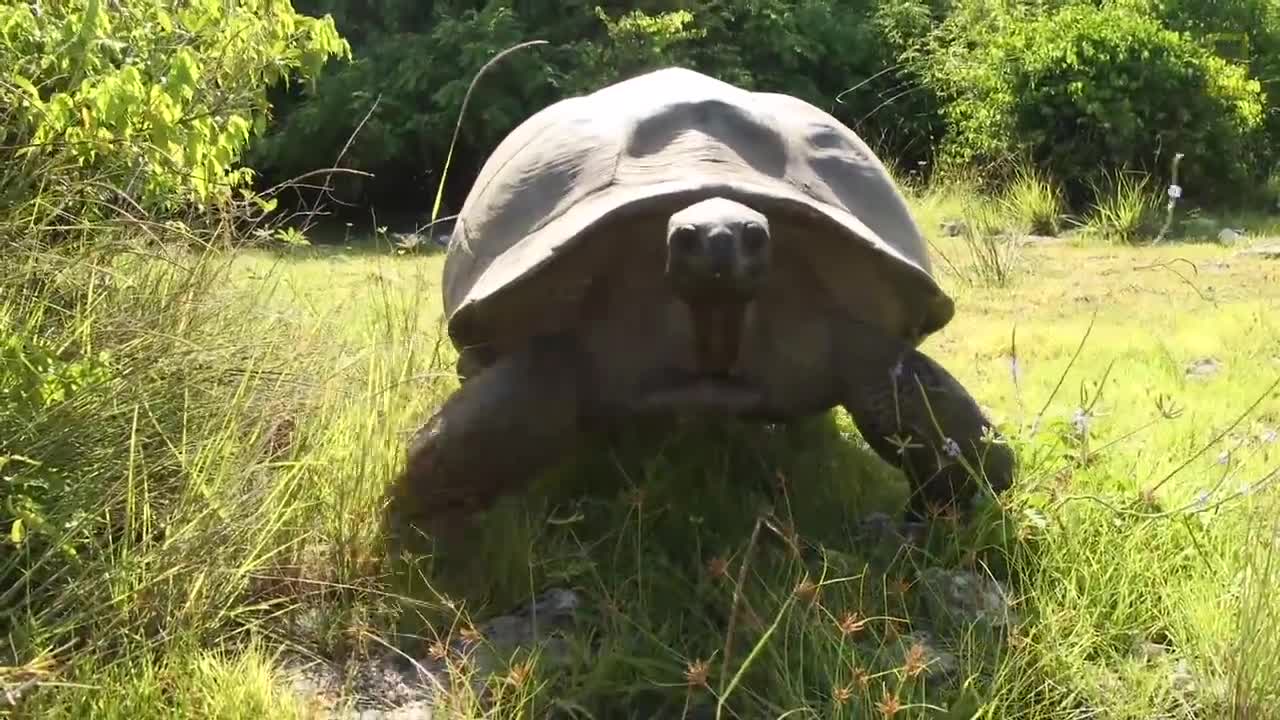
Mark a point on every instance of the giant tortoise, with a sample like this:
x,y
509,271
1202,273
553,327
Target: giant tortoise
x,y
673,244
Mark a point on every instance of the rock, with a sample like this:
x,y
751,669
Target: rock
x,y
412,711
1182,679
1203,368
881,531
966,597
1147,651
1228,236
939,663
384,686
1270,251
543,620
391,686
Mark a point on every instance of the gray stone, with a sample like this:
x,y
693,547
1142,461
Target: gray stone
x,y
881,531
1270,251
966,597
940,664
391,686
1204,368
1147,651
1182,678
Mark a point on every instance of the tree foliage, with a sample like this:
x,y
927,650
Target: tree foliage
x,y
156,99
413,61
1077,85
1080,88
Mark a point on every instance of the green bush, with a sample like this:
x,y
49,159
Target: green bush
x,y
1083,88
417,59
142,103
1245,31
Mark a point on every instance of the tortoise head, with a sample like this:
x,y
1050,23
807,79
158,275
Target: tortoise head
x,y
717,249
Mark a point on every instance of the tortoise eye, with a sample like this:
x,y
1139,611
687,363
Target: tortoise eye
x,y
685,238
754,237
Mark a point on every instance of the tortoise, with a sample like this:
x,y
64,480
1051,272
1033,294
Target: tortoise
x,y
675,244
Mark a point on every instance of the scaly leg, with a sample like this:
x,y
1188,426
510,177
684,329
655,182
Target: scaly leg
x,y
943,425
493,436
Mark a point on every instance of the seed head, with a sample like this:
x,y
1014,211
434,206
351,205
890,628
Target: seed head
x,y
851,623
916,660
520,674
889,705
695,674
807,591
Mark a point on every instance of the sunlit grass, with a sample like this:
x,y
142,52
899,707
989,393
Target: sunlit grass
x,y
261,450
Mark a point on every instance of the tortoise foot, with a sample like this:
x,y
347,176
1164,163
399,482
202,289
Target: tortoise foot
x,y
950,446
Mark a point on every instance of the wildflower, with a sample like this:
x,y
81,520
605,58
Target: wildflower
x,y
1202,501
901,585
850,623
520,674
842,695
807,591
696,673
951,448
1080,421
896,371
636,497
889,706
917,658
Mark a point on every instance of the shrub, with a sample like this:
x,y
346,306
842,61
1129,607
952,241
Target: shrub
x,y
147,104
1034,201
417,60
1081,88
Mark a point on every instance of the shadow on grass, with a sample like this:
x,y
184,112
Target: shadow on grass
x,y
699,542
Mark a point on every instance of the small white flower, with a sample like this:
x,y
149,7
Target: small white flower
x,y
896,371
951,447
1202,500
1080,421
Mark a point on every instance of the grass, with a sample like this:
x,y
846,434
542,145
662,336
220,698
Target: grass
x,y
220,485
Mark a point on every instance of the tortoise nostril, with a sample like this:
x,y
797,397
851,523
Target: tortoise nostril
x,y
754,238
684,239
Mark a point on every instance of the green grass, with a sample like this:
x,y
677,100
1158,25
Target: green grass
x,y
229,471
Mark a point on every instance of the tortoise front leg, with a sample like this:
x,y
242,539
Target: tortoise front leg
x,y
943,425
492,437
